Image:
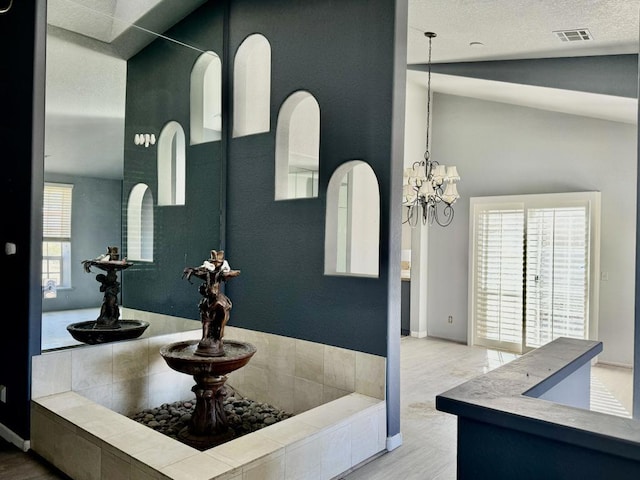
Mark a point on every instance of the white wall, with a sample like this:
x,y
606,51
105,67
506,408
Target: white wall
x,y
84,123
414,137
503,149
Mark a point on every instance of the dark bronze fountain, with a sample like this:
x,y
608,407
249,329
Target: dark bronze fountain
x,y
108,327
209,359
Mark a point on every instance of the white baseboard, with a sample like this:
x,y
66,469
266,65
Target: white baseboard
x,y
613,364
394,442
420,334
14,438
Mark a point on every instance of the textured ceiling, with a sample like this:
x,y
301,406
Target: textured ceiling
x,y
123,27
510,29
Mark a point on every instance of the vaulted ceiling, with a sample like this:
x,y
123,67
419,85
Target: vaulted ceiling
x,y
467,30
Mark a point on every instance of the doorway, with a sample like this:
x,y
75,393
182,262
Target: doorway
x,y
534,264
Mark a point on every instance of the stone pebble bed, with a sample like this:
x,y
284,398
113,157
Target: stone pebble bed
x,y
243,415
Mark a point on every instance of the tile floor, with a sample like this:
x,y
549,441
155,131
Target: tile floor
x,y
429,367
54,327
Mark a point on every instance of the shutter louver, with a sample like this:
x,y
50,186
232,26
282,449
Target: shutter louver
x,y
532,262
557,274
57,211
498,286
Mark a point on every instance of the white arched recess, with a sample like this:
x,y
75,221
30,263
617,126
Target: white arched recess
x,y
252,86
140,224
206,99
352,228
171,165
297,147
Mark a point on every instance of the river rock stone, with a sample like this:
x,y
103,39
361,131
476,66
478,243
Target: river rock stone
x,y
243,415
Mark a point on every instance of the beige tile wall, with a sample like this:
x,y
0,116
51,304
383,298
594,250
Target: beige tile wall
x,y
126,377
81,396
89,441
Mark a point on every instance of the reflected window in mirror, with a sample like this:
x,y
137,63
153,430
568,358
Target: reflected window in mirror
x,y
140,224
206,99
252,87
171,165
297,147
56,239
352,228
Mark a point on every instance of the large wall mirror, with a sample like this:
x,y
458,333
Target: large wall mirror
x,y
96,51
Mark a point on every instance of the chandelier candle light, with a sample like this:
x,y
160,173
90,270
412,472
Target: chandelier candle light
x,y
428,184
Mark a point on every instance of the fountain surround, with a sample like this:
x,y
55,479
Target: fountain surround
x,y
210,359
108,327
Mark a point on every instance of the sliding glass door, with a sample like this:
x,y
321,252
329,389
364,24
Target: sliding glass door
x,y
533,269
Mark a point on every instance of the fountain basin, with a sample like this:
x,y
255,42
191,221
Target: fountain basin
x,y
208,425
90,332
180,356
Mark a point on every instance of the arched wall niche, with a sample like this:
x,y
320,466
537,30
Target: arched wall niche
x,y
140,224
252,87
171,165
297,147
352,223
206,99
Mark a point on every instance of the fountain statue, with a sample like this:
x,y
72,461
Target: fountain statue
x,y
108,327
209,359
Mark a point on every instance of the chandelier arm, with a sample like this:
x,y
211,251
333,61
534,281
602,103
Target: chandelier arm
x,y
412,218
448,213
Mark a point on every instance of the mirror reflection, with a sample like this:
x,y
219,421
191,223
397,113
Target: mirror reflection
x,y
88,46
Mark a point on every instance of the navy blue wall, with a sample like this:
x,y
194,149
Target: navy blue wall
x,y
342,53
22,59
489,451
603,74
158,86
346,61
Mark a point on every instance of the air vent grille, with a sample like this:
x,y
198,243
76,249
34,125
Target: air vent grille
x,y
577,35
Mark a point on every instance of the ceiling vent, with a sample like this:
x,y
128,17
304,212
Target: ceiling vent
x,y
578,35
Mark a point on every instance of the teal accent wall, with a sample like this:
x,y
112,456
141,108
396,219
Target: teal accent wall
x,y
347,62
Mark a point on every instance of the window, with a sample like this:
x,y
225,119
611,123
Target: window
x,y
56,235
171,165
140,224
533,269
297,147
252,87
206,99
352,228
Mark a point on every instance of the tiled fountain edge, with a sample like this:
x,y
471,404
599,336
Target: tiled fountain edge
x,y
117,379
88,441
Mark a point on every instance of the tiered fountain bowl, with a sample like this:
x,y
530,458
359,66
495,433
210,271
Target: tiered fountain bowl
x,y
108,327
208,426
210,359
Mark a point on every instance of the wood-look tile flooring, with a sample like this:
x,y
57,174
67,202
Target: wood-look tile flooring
x,y
427,367
18,465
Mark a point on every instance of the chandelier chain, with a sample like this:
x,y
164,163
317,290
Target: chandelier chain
x,y
430,186
426,153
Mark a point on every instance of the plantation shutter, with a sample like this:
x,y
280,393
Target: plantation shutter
x,y
557,274
57,211
532,261
498,273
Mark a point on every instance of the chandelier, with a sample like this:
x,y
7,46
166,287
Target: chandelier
x,y
429,188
